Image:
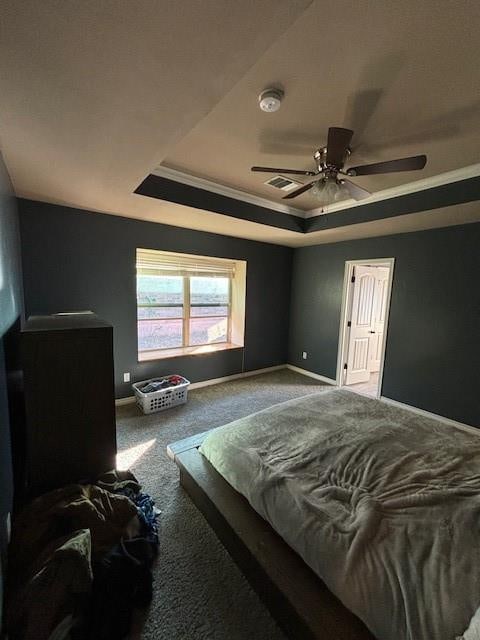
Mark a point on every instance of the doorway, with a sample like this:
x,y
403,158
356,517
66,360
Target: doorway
x,y
363,326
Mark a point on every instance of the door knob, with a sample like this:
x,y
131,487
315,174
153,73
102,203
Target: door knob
x,y
371,332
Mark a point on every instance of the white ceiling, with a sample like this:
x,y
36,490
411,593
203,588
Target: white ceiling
x,y
95,95
397,73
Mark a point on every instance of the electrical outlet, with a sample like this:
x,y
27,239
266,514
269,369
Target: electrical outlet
x,y
304,355
126,377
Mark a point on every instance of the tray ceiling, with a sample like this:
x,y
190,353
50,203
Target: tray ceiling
x,y
395,73
95,96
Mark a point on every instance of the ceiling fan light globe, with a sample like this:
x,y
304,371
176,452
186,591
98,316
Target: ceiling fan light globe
x,y
328,191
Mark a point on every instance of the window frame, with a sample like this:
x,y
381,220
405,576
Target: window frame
x,y
187,317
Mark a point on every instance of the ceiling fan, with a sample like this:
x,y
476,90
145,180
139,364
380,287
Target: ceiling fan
x,y
329,184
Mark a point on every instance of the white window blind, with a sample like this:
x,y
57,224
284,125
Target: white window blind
x,y
166,263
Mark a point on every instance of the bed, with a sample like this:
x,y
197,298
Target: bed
x,y
365,519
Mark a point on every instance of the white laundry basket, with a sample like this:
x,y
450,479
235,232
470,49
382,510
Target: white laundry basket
x,y
162,398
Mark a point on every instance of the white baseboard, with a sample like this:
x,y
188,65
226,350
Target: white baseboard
x,y
206,383
310,374
119,402
434,416
235,376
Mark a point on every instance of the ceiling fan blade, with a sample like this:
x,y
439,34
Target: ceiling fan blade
x,y
338,143
299,191
413,163
298,172
356,192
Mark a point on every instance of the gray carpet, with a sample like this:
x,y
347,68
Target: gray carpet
x,y
199,592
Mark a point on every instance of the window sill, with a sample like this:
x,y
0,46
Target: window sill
x,y
162,354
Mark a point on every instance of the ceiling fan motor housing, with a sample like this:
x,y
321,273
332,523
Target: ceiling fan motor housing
x,y
330,161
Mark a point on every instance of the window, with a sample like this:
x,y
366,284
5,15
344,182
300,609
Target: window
x,y
188,304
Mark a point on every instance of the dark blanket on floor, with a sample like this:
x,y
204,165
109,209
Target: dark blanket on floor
x,y
80,561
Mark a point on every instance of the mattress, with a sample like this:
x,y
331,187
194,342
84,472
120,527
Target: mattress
x,y
383,504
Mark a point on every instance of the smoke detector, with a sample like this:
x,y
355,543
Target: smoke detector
x,y
270,100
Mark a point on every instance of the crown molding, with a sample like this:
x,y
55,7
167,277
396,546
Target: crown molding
x,y
220,189
471,171
437,180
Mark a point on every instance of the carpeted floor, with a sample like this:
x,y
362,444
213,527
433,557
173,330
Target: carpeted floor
x,y
199,593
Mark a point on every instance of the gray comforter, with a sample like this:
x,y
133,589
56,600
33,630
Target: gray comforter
x,y
384,505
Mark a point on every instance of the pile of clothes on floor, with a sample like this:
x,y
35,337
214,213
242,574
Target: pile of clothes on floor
x,y
162,383
80,561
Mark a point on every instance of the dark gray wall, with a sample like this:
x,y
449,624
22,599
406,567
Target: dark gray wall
x,y
11,303
76,260
444,195
173,191
433,345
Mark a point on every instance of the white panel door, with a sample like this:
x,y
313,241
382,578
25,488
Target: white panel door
x,y
379,311
362,320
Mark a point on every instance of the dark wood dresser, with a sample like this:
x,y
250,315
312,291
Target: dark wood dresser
x,y
69,400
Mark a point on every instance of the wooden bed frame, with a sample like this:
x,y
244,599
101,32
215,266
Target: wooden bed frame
x,y
298,600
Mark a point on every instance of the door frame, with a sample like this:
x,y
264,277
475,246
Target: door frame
x,y
346,303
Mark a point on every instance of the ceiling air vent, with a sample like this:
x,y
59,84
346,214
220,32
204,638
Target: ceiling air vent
x,y
285,184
